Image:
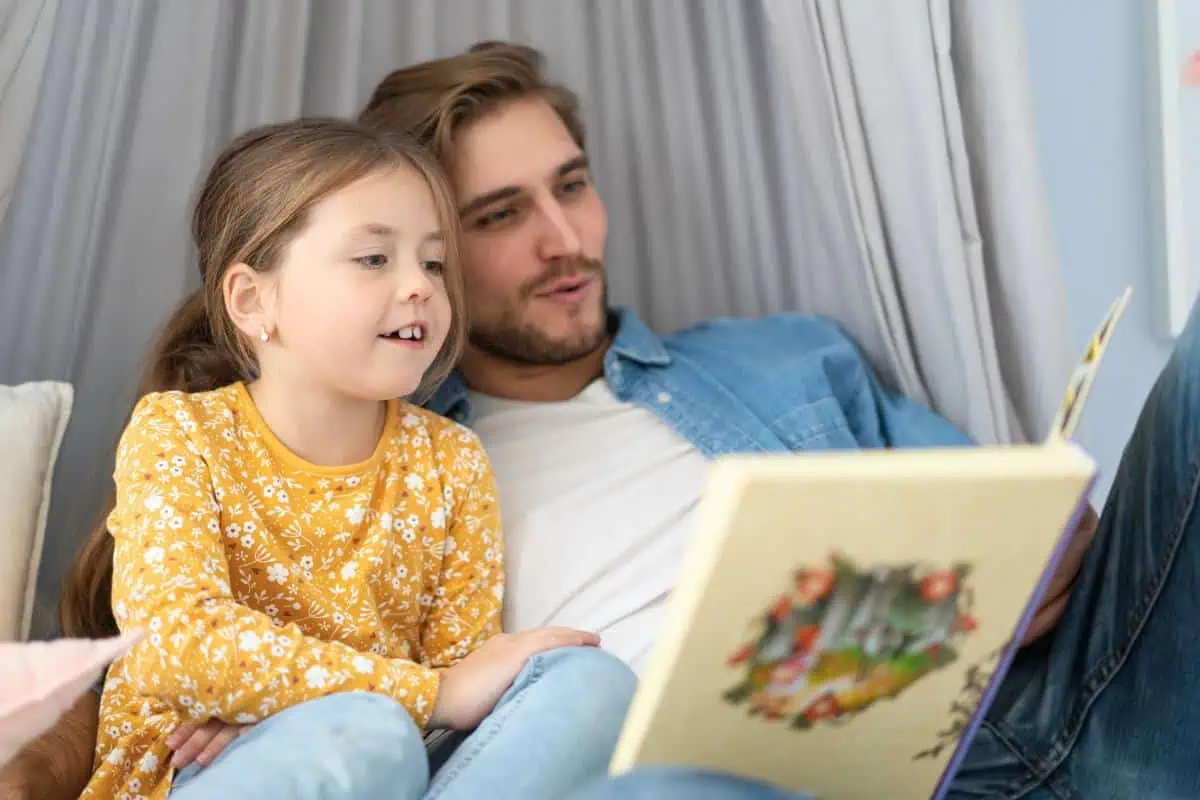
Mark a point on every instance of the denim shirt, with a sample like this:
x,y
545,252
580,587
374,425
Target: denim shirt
x,y
782,383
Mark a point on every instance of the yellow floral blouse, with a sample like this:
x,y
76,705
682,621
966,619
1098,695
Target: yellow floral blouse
x,y
262,581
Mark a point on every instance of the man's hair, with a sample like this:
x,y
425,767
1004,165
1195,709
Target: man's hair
x,y
432,101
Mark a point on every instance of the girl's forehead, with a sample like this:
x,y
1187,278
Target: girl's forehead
x,y
397,203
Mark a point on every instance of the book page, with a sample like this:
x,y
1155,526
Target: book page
x,y
1084,375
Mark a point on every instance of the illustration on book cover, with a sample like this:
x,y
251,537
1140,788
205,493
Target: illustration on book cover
x,y
842,638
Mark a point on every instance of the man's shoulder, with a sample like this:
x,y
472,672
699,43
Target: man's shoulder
x,y
788,335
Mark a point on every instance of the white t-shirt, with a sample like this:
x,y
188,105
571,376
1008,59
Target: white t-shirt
x,y
598,498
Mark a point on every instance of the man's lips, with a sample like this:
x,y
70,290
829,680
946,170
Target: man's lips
x,y
566,287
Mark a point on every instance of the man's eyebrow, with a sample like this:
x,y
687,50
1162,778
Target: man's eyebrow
x,y
486,199
508,192
572,165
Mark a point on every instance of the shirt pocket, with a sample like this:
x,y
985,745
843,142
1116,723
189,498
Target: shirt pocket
x,y
815,425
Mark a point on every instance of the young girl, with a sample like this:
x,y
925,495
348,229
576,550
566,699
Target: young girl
x,y
304,551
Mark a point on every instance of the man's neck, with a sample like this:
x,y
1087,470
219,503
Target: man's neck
x,y
531,383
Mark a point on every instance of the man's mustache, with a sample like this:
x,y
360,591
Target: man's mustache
x,y
566,268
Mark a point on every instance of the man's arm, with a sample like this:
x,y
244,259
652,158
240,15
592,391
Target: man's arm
x,y
56,765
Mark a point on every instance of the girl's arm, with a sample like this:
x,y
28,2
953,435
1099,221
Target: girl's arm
x,y
465,605
205,654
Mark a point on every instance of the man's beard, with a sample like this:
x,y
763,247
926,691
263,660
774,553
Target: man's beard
x,y
511,340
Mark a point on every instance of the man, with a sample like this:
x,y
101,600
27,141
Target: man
x,y
599,431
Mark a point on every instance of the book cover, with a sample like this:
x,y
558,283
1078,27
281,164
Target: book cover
x,y
844,618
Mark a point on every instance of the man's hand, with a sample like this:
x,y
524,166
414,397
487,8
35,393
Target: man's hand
x,y
56,765
1055,600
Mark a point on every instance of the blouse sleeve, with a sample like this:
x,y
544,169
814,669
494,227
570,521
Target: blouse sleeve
x,y
465,607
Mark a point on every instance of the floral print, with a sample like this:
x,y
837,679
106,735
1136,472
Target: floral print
x,y
262,581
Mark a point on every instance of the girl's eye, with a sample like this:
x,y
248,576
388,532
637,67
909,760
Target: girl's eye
x,y
434,267
375,261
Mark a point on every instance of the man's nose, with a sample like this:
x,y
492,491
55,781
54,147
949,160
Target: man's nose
x,y
560,239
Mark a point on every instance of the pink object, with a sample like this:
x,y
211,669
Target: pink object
x,y
41,680
1191,73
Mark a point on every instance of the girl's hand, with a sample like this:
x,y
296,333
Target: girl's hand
x,y
201,743
472,687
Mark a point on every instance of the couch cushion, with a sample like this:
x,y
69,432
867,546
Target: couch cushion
x,y
33,418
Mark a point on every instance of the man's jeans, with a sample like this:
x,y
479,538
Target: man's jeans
x,y
553,731
1108,706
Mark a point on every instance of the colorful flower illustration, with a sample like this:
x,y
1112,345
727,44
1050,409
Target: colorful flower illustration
x,y
843,638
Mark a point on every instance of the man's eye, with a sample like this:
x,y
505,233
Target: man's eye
x,y
494,218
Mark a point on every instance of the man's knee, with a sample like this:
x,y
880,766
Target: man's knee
x,y
1180,378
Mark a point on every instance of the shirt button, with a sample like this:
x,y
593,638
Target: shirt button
x,y
663,398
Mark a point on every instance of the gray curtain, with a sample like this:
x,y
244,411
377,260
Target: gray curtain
x,y
756,157
25,27
919,111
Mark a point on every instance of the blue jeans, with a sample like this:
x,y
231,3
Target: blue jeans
x,y
551,732
1105,706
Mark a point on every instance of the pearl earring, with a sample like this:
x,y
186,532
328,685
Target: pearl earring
x,y
263,336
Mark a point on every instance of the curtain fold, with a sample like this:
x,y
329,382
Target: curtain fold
x,y
25,29
958,297
755,157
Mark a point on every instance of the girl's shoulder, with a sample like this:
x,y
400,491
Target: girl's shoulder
x,y
217,402
443,433
184,412
454,447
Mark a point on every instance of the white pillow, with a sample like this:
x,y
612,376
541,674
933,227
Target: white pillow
x,y
33,419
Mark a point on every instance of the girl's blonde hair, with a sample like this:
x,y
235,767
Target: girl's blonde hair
x,y
255,200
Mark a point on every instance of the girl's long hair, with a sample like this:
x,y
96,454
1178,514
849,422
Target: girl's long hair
x,y
255,199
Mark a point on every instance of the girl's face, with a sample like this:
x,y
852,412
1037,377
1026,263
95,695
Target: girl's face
x,y
358,304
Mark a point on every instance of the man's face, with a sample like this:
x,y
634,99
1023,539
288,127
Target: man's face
x,y
533,243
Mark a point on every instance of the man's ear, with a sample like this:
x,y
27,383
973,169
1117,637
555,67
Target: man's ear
x,y
248,300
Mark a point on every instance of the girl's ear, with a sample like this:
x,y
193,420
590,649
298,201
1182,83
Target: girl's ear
x,y
248,300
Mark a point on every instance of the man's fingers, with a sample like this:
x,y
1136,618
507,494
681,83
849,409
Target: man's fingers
x,y
1046,618
219,742
1077,550
186,753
